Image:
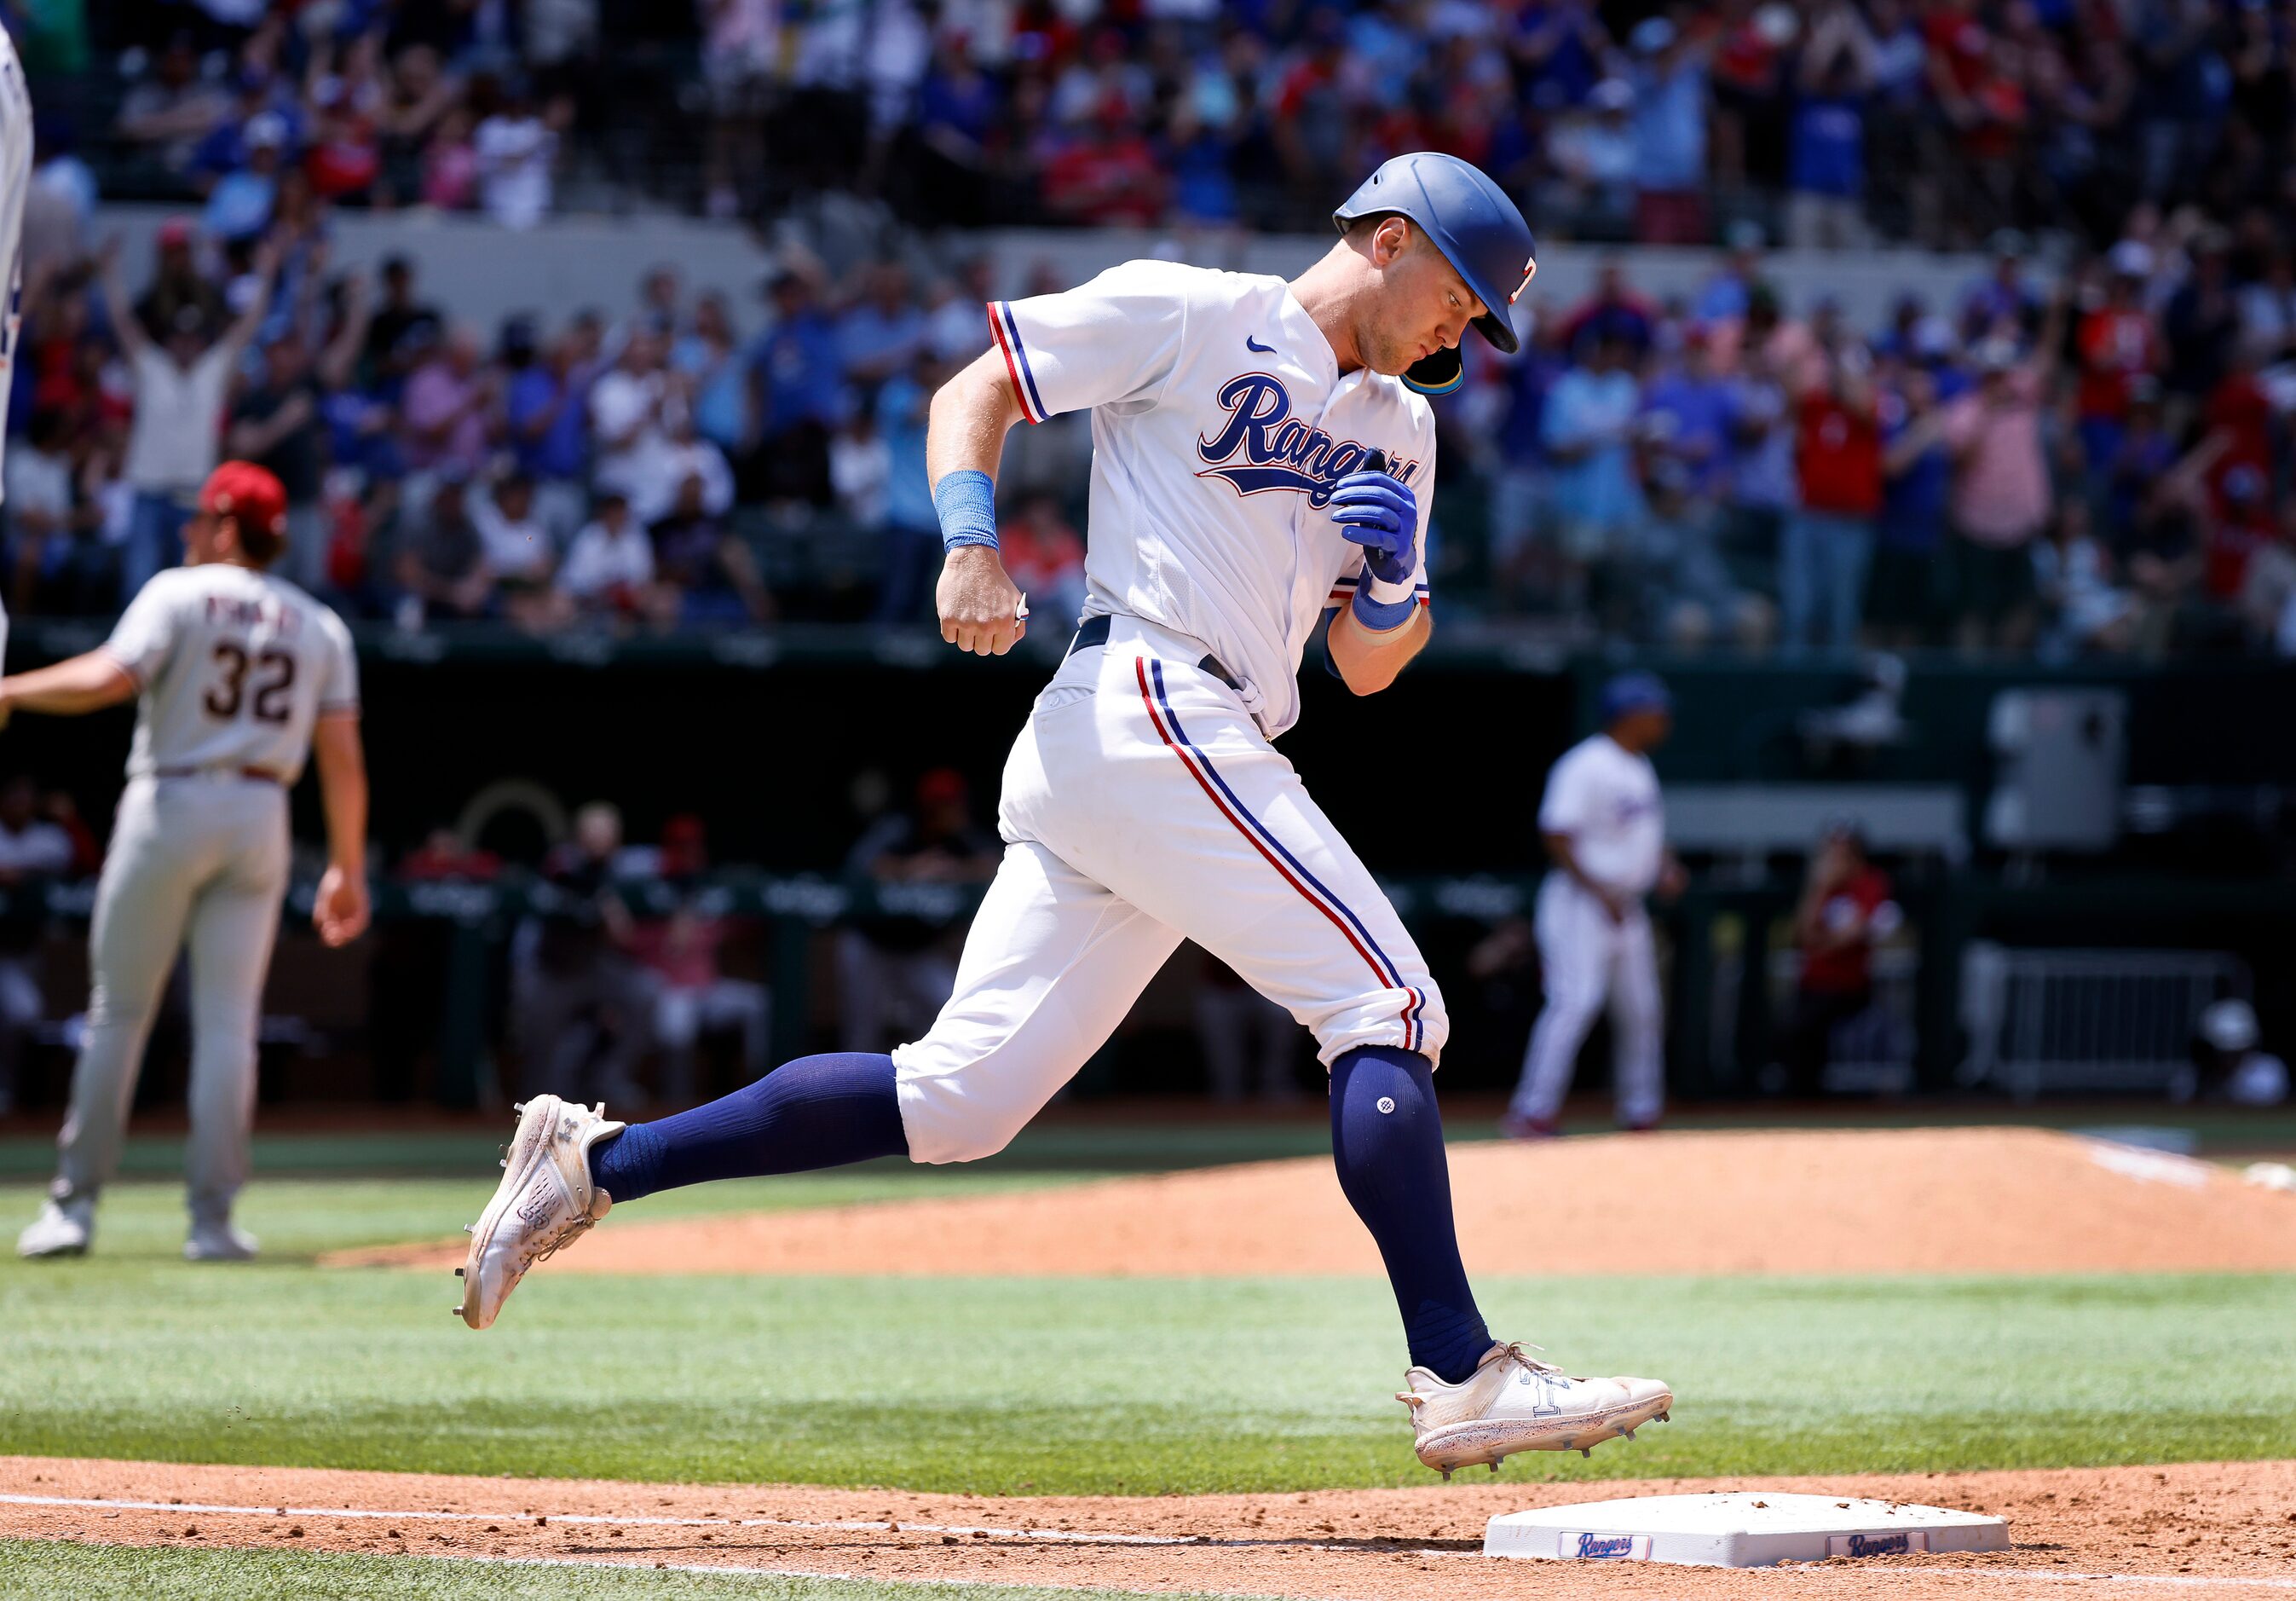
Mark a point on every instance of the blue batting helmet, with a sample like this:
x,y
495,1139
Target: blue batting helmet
x,y
1634,692
1479,231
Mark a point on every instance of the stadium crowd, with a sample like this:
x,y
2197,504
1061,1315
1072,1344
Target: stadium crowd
x,y
2091,461
1828,120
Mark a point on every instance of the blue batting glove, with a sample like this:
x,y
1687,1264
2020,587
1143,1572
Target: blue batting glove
x,y
1380,514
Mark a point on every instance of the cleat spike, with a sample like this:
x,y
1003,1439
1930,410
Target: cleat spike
x,y
1666,1417
1447,1476
1626,1433
469,1229
458,1273
1494,1462
518,1106
502,1164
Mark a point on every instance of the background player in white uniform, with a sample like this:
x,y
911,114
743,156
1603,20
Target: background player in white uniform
x,y
1257,466
15,186
1605,833
239,676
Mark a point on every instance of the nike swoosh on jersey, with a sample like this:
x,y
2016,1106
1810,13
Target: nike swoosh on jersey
x,y
1252,345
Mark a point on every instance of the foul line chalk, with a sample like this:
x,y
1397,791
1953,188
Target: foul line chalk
x,y
1072,1536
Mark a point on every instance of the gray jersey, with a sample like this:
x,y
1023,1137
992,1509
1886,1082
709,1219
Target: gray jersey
x,y
234,666
15,184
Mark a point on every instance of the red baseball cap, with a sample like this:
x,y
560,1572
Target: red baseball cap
x,y
175,230
249,493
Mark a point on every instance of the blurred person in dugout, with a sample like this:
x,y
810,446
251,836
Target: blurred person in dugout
x,y
680,959
896,969
2228,1064
579,1010
1605,830
1844,912
34,850
1250,1043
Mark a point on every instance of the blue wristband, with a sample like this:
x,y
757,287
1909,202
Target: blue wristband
x,y
966,503
1379,615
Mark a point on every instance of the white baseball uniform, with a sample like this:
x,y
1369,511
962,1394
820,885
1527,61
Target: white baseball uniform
x,y
1606,799
15,186
234,668
1143,803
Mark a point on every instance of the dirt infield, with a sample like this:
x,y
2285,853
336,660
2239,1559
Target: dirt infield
x,y
2208,1529
1911,1200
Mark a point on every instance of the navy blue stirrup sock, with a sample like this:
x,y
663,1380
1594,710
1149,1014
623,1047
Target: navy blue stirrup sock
x,y
1387,1138
816,1112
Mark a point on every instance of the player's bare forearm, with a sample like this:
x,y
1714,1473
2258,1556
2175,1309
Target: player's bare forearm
x,y
979,606
969,418
341,761
85,684
340,910
1369,659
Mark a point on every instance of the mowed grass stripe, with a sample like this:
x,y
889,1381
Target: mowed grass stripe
x,y
1095,1385
185,1573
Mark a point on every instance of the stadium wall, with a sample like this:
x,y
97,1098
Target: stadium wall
x,y
483,272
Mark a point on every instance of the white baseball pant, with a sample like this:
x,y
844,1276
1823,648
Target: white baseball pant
x,y
1142,805
1586,958
201,858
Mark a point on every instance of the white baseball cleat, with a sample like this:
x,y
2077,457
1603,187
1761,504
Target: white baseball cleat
x,y
1514,1403
218,1240
545,1202
62,1228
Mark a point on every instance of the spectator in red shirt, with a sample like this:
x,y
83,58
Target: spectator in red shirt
x,y
1106,175
2118,343
1845,910
1046,560
1829,539
2240,416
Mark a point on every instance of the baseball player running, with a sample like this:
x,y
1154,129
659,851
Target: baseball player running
x,y
1258,470
238,675
1605,833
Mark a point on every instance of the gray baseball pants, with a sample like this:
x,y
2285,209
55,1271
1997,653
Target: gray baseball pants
x,y
201,860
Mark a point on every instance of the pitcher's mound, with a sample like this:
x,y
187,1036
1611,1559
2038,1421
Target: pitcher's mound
x,y
1915,1200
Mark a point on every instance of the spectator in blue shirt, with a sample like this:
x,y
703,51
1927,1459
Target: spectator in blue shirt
x,y
1909,589
957,106
1670,105
548,414
708,358
912,533
881,334
1825,150
1589,426
224,148
1519,509
1559,49
797,393
1613,311
1695,399
240,204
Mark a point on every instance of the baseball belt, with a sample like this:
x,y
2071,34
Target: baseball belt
x,y
1094,631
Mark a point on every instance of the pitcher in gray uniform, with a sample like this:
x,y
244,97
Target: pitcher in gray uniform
x,y
239,676
15,187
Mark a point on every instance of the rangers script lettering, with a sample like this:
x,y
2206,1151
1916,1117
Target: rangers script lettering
x,y
1280,451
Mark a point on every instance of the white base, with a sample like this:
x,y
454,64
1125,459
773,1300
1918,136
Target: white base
x,y
1738,1528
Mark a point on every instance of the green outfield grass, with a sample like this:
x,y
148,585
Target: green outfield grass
x,y
1070,1385
63,1568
